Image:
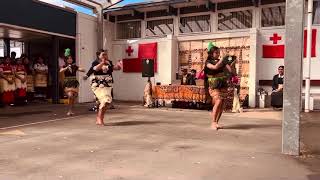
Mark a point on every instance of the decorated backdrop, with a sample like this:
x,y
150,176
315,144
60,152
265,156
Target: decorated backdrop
x,y
192,55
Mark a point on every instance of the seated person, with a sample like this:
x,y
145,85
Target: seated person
x,y
188,79
277,89
184,76
192,78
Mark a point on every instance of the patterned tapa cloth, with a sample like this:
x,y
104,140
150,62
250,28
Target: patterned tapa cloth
x,y
101,86
189,94
180,93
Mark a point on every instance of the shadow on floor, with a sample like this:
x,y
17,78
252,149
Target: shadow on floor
x,y
250,126
133,123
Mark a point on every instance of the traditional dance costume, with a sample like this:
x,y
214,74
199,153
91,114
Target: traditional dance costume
x,y
6,89
30,81
101,84
41,79
70,78
21,87
216,79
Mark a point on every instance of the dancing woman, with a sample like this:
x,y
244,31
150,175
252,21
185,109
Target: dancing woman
x,y
71,83
102,84
217,83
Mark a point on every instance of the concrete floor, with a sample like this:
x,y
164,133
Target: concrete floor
x,y
150,144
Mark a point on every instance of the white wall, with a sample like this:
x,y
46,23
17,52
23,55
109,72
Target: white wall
x,y
267,68
86,44
130,86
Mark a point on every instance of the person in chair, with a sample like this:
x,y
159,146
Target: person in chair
x,y
192,78
277,88
188,79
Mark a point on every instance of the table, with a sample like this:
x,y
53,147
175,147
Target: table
x,y
185,93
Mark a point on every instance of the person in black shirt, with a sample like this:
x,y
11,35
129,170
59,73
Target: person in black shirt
x,y
91,71
216,82
277,88
188,78
101,84
71,83
192,78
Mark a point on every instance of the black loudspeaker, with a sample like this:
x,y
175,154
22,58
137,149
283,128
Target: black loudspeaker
x,y
147,68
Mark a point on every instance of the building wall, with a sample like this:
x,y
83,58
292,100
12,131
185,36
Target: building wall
x,y
130,86
260,68
267,68
86,44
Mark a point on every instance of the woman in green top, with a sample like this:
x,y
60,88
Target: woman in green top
x,y
216,82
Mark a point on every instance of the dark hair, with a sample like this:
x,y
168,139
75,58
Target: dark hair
x,y
281,67
98,53
214,48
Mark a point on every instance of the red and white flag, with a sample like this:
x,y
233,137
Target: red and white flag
x,y
135,53
276,50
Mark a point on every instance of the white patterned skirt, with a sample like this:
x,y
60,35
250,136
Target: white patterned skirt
x,y
101,86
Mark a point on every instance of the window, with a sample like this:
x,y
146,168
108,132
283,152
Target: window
x,y
18,47
316,12
15,46
128,30
273,16
235,20
159,27
195,24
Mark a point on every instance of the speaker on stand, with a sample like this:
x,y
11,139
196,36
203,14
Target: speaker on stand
x,y
148,70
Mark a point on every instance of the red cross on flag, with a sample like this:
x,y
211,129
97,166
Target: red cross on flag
x,y
277,48
134,55
132,51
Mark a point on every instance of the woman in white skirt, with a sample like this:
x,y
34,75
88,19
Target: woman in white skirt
x,y
101,84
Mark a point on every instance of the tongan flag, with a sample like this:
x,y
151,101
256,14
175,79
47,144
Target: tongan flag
x,y
277,51
133,64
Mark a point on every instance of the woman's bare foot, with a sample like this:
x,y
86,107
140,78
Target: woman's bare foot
x,y
219,126
70,113
214,126
100,122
